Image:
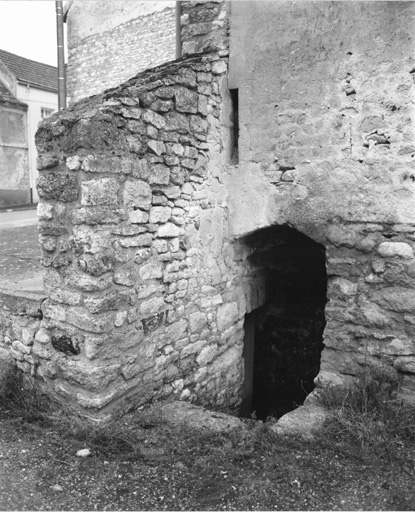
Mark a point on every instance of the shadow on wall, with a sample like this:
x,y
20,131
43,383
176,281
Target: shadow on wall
x,y
284,338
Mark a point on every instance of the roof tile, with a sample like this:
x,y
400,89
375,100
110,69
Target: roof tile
x,y
32,72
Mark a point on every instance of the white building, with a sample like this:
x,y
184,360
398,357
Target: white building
x,y
34,84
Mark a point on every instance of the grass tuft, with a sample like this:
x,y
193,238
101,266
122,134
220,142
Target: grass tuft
x,y
369,412
21,395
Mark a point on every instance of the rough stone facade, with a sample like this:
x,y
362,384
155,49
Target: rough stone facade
x,y
133,228
104,59
158,242
20,339
326,143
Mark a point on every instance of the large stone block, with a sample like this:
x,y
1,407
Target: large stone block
x,y
227,315
45,211
98,215
400,347
399,299
126,276
151,307
91,240
137,194
230,359
197,322
100,192
112,300
157,147
84,373
144,355
176,330
87,321
155,119
160,214
341,235
168,230
152,270
61,187
405,364
206,355
138,217
341,288
399,249
176,122
136,241
89,283
159,175
186,100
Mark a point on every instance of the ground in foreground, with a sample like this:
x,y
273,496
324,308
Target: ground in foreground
x,y
143,463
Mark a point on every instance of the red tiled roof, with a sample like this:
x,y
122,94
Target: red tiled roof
x,y
7,98
31,72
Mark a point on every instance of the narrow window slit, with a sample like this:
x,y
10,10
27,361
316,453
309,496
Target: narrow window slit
x,y
235,121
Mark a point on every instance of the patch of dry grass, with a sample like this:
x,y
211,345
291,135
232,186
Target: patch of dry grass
x,y
141,462
370,412
21,396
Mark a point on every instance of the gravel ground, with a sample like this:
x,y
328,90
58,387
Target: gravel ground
x,y
140,465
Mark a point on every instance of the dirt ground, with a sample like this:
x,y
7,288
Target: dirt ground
x,y
142,463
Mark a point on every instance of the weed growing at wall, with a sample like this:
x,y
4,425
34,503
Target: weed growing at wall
x,y
369,412
20,395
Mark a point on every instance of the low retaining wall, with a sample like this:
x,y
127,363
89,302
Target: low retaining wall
x,y
21,329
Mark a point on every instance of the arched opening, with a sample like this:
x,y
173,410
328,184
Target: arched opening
x,y
284,338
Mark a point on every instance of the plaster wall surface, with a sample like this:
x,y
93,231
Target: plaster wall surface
x,y
326,113
109,42
326,133
35,99
95,17
14,170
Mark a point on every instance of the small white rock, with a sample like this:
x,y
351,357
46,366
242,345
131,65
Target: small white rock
x,y
400,249
83,453
57,487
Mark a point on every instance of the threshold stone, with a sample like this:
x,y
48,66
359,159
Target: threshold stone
x,y
197,417
305,421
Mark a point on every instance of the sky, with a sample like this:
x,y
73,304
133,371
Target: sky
x,y
28,29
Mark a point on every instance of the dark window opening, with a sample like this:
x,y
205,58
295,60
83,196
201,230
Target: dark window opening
x,y
284,338
235,122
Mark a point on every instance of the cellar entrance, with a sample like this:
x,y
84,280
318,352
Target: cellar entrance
x,y
284,338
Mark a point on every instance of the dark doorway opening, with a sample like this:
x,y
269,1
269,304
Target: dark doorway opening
x,y
284,338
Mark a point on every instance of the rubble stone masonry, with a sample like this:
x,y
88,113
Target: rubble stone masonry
x,y
139,268
146,215
327,144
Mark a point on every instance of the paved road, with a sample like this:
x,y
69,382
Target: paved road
x,y
17,218
19,247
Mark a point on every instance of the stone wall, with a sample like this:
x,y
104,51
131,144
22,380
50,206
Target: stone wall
x,y
371,307
146,218
145,298
205,27
108,44
102,58
326,146
21,337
